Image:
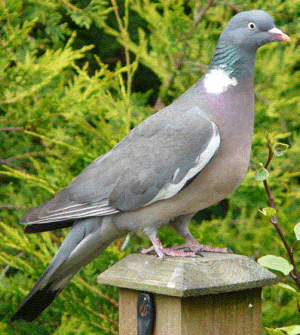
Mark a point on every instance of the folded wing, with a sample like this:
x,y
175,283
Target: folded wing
x,y
152,163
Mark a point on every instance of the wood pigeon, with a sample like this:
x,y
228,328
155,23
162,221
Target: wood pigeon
x,y
186,157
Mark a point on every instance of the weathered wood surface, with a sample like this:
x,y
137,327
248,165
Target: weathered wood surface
x,y
189,276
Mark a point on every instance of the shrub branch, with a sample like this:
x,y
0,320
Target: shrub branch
x,y
290,250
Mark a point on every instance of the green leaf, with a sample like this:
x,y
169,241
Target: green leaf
x,y
277,331
280,148
261,174
290,330
268,211
288,288
297,231
276,263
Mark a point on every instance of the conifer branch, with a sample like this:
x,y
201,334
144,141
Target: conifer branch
x,y
99,314
68,4
197,17
100,293
8,129
123,27
8,161
228,4
11,207
124,32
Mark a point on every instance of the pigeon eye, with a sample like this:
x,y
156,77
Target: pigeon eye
x,y
251,25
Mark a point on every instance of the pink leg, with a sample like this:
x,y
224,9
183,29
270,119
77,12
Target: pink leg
x,y
181,225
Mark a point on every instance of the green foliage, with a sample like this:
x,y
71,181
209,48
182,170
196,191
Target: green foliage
x,y
280,149
261,173
75,78
292,330
297,231
276,263
268,211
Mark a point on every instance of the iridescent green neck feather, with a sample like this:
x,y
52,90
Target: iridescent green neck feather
x,y
233,61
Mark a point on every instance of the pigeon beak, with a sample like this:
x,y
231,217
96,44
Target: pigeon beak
x,y
278,35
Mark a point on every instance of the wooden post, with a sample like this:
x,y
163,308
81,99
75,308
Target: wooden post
x,y
216,294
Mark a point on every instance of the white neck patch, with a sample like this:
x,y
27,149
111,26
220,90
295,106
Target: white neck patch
x,y
217,81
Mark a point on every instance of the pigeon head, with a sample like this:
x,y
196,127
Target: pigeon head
x,y
239,41
251,29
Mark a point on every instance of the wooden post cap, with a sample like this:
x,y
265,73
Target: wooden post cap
x,y
188,276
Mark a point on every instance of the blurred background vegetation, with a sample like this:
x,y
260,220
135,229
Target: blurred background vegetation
x,y
75,77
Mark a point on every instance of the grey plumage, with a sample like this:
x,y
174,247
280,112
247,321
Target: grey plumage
x,y
136,169
182,159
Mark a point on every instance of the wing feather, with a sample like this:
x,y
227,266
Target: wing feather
x,y
153,162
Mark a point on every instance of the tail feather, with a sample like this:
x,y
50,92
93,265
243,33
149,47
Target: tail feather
x,y
86,240
37,303
41,227
42,294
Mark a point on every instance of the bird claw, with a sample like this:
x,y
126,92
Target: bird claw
x,y
162,252
189,249
183,250
198,253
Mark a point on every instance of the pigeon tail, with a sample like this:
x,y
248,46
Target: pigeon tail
x,y
44,291
36,304
86,240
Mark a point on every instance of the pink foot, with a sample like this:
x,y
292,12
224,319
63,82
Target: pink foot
x,y
194,248
197,247
193,245
162,252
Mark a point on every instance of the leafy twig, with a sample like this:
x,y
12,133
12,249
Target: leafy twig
x,y
290,250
